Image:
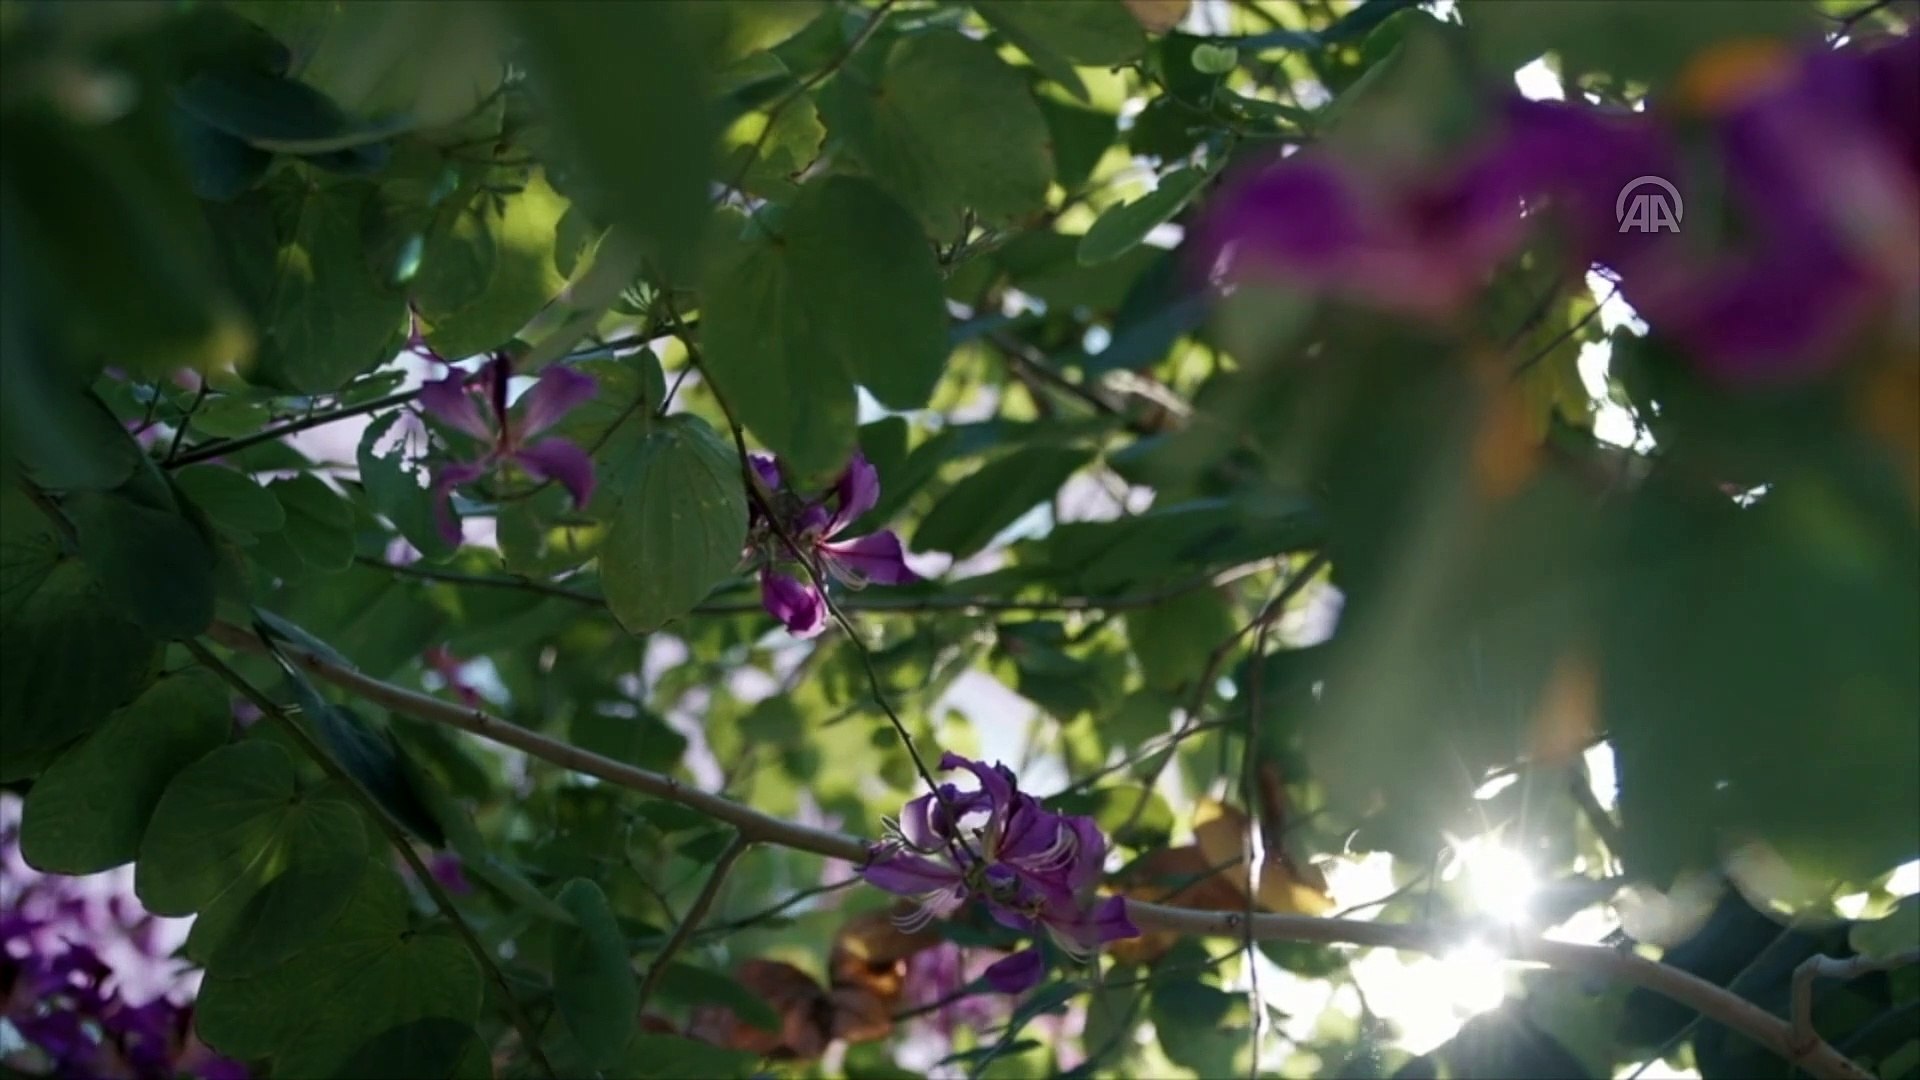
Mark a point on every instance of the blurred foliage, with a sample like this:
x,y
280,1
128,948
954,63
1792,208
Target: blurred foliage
x,y
946,234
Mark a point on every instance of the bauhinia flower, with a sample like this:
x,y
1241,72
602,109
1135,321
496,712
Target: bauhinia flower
x,y
1035,870
1813,155
816,528
476,405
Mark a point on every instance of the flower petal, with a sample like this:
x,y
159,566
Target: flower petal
x,y
878,557
449,401
1016,974
557,392
797,605
448,476
906,874
858,489
768,470
562,461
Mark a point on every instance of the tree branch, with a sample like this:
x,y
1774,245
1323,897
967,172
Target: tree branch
x,y
1717,1003
1806,1040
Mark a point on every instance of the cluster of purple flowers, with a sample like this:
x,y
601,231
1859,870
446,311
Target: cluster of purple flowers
x,y
1817,156
1034,869
816,528
86,979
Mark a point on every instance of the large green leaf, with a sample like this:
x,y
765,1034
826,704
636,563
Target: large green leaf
x,y
396,487
840,288
233,501
216,818
371,972
319,525
679,526
626,91
431,1048
977,508
1173,639
104,215
87,812
71,657
667,1057
593,983
151,562
1760,651
487,269
290,896
1092,32
295,254
946,127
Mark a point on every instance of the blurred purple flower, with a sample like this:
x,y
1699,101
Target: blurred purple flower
x,y
94,988
1034,869
1016,974
815,527
476,405
445,868
1815,156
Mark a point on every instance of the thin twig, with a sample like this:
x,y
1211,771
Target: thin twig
x,y
1256,856
691,921
1273,610
186,419
786,101
1715,1002
271,708
1806,1039
223,447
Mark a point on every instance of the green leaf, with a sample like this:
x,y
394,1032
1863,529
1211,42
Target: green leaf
x,y
433,1048
292,894
395,487
275,113
1121,228
71,657
1091,32
1707,647
593,983
844,290
679,527
228,417
319,522
371,757
119,250
1899,932
215,819
153,563
296,255
673,1057
977,508
231,500
1174,639
371,972
947,127
644,167
86,813
485,272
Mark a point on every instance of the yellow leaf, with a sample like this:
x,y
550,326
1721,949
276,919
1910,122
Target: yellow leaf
x,y
1285,885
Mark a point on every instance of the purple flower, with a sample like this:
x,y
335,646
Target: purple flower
x,y
1034,869
1815,157
816,529
476,405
